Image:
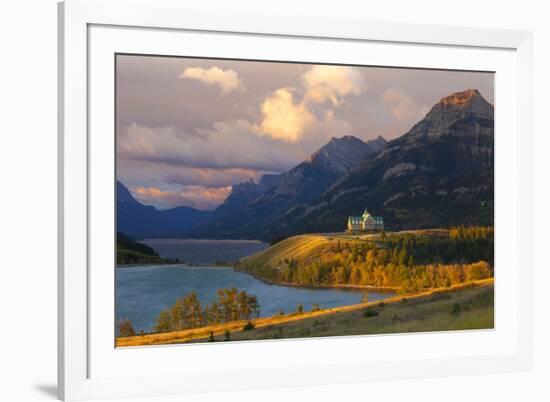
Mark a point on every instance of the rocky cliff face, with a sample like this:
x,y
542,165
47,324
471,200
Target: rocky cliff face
x,y
442,118
244,194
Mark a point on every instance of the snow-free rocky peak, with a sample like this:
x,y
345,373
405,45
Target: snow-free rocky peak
x,y
456,107
345,153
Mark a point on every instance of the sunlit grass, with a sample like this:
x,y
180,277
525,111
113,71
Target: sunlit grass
x,y
425,311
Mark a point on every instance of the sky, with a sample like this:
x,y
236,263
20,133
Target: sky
x,y
188,129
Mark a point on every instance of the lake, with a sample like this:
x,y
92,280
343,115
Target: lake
x,y
144,291
199,251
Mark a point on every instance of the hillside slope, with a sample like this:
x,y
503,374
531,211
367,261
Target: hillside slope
x,y
408,262
129,252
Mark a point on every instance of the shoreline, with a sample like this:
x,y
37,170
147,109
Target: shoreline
x,y
377,289
355,288
202,333
182,264
146,265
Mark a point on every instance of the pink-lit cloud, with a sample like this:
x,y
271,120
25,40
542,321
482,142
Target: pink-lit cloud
x,y
402,105
332,83
226,80
194,196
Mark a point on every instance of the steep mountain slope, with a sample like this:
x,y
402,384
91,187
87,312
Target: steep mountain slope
x,y
440,173
138,220
244,194
298,186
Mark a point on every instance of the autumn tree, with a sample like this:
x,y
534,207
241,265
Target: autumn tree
x,y
125,328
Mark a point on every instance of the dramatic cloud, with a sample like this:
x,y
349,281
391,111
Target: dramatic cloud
x,y
194,196
287,119
210,177
282,118
227,145
176,136
402,105
332,83
227,80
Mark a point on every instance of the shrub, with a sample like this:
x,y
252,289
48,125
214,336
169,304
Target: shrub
x,y
370,313
249,326
456,309
227,335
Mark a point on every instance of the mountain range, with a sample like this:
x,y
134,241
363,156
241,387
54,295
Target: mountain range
x,y
142,221
439,173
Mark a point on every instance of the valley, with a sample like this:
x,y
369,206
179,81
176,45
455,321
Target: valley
x,y
420,259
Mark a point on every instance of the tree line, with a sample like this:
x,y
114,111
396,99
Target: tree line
x,y
408,262
462,245
189,312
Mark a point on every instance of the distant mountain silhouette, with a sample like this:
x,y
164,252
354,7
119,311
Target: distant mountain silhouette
x,y
138,220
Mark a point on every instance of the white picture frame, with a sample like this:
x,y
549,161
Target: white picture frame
x,y
92,31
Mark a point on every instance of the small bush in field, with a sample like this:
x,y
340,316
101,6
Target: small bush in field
x,y
370,313
456,309
249,326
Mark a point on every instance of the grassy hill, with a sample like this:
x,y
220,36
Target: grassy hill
x,y
410,261
297,247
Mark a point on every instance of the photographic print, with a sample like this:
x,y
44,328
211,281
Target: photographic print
x,y
265,200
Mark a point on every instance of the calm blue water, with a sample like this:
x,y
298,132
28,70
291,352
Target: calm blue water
x,y
142,292
198,251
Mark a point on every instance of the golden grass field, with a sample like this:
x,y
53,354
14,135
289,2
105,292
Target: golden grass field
x,y
426,311
297,247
